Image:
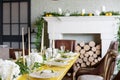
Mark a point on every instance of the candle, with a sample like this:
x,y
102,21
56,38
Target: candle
x,y
42,39
29,41
59,10
83,11
71,46
53,41
23,50
97,13
103,8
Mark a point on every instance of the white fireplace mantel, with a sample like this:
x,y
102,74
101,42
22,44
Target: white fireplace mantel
x,y
106,26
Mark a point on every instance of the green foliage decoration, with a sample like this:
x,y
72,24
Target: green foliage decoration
x,y
114,13
39,24
23,68
118,34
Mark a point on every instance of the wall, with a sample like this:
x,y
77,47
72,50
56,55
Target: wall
x,y
39,6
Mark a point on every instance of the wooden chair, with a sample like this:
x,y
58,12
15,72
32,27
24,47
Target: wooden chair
x,y
102,70
12,52
69,44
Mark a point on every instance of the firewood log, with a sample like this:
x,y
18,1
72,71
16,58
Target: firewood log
x,y
90,59
88,63
92,63
86,54
98,46
99,58
83,65
97,52
96,60
93,49
85,59
86,47
95,55
77,48
80,60
81,56
91,53
82,51
82,43
91,43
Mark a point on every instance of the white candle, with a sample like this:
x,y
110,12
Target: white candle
x,y
103,8
53,41
59,10
71,46
97,13
23,46
83,11
28,41
42,39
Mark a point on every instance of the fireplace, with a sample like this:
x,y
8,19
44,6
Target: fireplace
x,y
104,26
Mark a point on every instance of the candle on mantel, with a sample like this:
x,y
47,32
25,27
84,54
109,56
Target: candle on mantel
x,y
83,11
103,9
42,39
23,46
29,41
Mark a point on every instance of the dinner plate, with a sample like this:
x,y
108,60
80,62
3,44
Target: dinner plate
x,y
70,54
54,63
44,74
63,59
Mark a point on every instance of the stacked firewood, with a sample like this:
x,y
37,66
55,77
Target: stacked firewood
x,y
90,54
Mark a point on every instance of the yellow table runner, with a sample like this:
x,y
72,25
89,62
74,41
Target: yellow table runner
x,y
62,71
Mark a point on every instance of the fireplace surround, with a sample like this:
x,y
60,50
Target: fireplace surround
x,y
105,26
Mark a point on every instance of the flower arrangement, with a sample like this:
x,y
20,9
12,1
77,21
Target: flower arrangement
x,y
8,70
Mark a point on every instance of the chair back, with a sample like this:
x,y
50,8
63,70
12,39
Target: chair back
x,y
12,52
107,64
69,44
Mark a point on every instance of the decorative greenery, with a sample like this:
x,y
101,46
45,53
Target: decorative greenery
x,y
49,14
109,13
0,78
36,65
55,14
39,24
118,65
118,34
23,68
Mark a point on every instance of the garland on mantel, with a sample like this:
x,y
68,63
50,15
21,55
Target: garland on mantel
x,y
107,13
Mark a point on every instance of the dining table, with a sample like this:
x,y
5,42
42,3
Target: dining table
x,y
61,70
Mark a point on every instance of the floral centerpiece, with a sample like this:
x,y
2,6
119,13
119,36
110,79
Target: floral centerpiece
x,y
8,70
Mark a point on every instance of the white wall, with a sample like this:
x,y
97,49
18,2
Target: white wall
x,y
39,6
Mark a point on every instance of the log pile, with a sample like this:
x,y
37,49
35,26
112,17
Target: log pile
x,y
90,54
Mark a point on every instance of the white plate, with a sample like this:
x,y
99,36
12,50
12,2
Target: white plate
x,y
70,54
63,59
43,74
53,63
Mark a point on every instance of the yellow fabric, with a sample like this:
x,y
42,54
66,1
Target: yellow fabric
x,y
62,70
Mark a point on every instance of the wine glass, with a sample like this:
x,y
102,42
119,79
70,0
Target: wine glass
x,y
62,48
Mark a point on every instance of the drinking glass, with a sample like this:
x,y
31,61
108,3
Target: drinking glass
x,y
62,48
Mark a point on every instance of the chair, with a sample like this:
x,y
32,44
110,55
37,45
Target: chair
x,y
12,52
103,69
69,44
